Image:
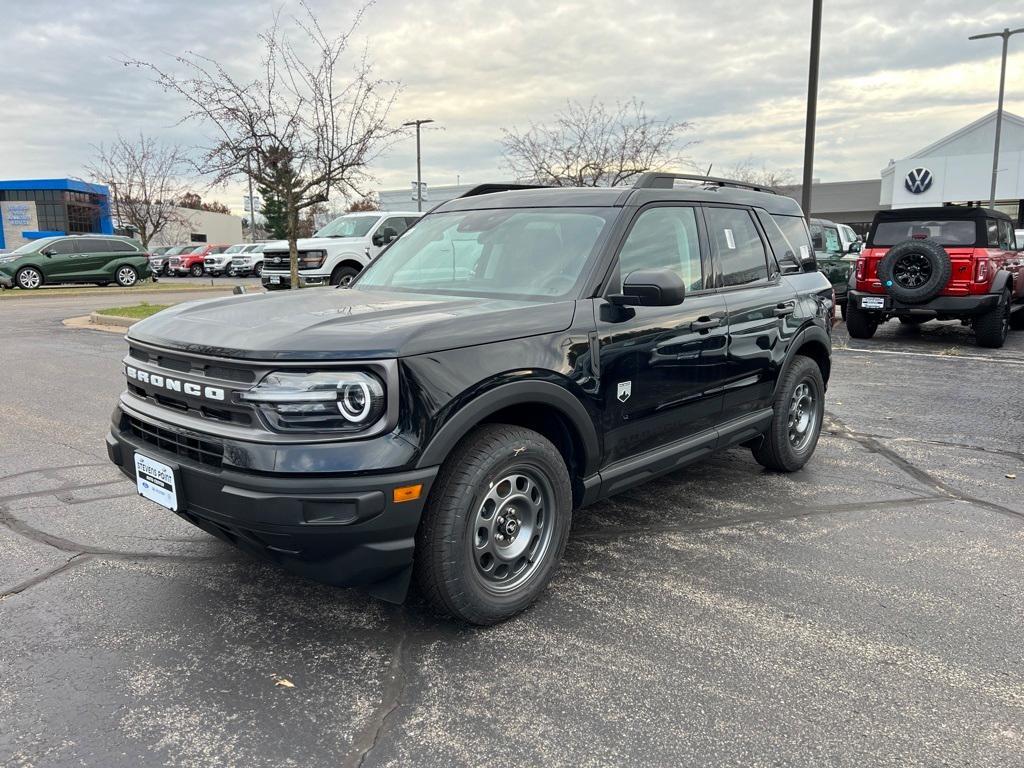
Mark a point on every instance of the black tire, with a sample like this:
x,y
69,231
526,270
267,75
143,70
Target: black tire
x,y
166,271
913,320
915,271
455,538
196,270
1017,320
257,270
126,276
343,275
860,324
990,329
103,284
800,393
28,278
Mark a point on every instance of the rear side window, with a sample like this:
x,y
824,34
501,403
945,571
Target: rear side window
x,y
737,244
785,253
796,232
120,245
1006,240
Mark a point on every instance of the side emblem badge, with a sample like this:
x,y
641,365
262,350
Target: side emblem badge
x,y
625,390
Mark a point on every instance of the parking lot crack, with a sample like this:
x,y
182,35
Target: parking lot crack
x,y
873,444
366,740
75,559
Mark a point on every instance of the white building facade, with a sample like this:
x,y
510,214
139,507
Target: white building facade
x,y
958,169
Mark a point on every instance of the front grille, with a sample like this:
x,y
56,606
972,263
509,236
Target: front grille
x,y
204,451
175,261
194,367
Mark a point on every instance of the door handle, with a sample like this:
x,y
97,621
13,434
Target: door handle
x,y
781,310
705,323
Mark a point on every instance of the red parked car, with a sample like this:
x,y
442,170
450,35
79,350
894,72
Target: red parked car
x,y
193,262
948,263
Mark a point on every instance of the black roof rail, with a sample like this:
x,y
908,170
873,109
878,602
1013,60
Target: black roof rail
x,y
662,180
486,189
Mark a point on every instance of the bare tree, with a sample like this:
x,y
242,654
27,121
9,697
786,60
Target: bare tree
x,y
592,145
299,128
764,176
143,176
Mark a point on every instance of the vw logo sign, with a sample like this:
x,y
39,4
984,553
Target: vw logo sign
x,y
918,180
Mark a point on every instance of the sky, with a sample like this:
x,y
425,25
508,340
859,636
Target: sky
x,y
895,75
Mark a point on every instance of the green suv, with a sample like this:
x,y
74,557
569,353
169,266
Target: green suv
x,y
75,259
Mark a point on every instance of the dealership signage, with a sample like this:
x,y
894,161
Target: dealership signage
x,y
17,216
918,181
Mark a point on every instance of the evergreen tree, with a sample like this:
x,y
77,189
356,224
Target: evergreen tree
x,y
274,213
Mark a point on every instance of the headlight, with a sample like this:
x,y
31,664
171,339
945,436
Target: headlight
x,y
312,259
340,401
5,259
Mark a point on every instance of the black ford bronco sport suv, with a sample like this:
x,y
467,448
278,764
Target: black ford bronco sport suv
x,y
517,354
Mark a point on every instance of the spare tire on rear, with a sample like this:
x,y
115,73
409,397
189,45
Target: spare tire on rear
x,y
915,271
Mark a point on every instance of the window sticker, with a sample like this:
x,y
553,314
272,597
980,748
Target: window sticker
x,y
805,253
729,239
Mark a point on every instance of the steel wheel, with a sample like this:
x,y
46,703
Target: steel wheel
x,y
30,278
803,416
512,529
126,276
912,271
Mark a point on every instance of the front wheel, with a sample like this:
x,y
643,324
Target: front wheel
x,y
126,276
196,270
344,276
29,278
799,409
495,526
258,269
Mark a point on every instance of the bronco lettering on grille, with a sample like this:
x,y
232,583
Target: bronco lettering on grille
x,y
174,385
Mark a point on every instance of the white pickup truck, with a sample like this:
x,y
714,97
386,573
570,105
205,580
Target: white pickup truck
x,y
337,252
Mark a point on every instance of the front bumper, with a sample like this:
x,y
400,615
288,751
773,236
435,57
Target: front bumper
x,y
285,278
940,307
344,530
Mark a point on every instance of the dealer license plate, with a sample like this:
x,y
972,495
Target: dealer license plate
x,y
275,279
155,482
872,302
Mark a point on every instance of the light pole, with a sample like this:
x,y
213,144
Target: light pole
x,y
812,106
1006,34
419,182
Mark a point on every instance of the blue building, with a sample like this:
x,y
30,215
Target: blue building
x,y
36,208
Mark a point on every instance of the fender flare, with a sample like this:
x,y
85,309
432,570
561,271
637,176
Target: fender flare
x,y
810,333
503,396
1000,281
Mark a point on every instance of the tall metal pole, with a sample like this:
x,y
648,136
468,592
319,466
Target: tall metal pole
x,y
812,105
419,176
1006,34
252,214
419,173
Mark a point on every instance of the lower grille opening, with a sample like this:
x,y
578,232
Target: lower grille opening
x,y
206,452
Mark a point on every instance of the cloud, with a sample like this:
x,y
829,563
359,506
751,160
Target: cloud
x,y
894,76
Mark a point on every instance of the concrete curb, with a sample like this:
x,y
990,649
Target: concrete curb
x,y
84,323
116,320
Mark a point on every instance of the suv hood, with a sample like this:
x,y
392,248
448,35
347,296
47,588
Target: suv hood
x,y
305,243
345,324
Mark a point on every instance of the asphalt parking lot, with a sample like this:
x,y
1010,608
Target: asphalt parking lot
x,y
864,611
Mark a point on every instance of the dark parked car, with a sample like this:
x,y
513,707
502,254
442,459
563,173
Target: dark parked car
x,y
514,356
835,256
75,259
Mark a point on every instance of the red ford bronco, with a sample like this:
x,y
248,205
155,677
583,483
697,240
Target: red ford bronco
x,y
949,263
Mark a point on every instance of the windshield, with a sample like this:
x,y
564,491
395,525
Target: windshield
x,y
522,253
33,245
944,232
236,249
348,226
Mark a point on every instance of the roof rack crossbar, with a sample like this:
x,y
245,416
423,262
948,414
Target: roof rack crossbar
x,y
662,180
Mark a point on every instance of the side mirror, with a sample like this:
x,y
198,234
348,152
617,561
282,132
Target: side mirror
x,y
384,236
855,248
47,252
650,288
